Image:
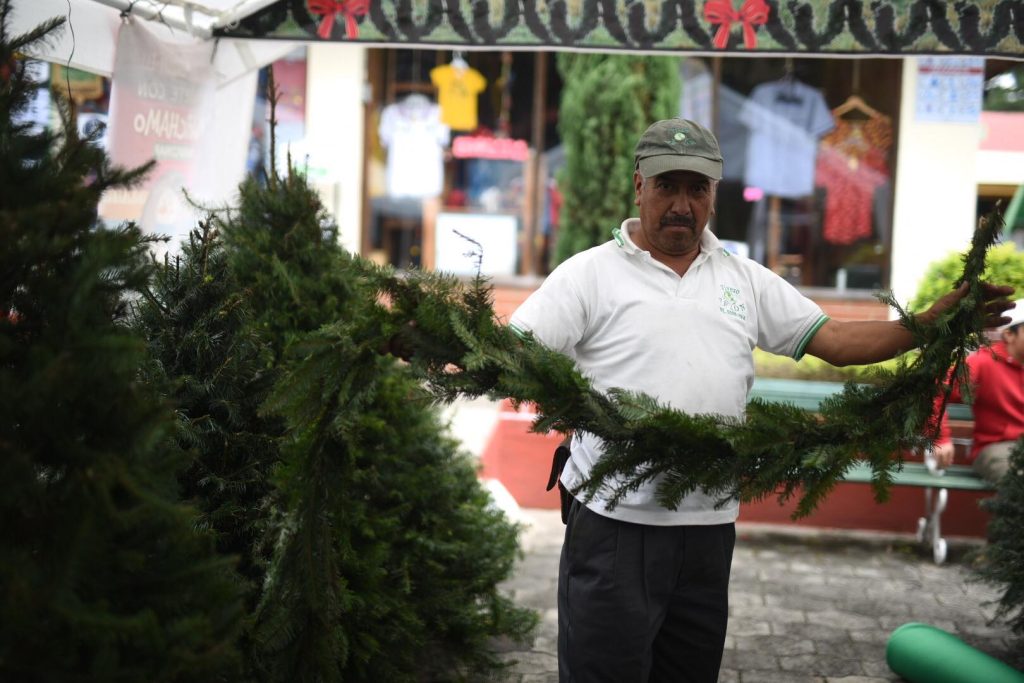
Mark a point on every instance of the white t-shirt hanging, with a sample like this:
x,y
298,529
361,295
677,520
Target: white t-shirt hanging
x,y
412,133
786,120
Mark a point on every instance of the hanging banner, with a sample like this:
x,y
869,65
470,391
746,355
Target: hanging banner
x,y
983,27
160,102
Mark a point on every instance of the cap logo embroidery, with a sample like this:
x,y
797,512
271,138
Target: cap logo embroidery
x,y
682,136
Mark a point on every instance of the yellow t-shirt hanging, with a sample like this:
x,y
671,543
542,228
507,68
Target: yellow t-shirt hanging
x,y
457,92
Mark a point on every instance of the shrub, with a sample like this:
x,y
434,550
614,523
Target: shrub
x,y
1004,266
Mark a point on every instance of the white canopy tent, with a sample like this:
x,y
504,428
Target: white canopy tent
x,y
90,37
89,42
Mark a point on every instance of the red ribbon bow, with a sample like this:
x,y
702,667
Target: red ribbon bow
x,y
752,13
329,8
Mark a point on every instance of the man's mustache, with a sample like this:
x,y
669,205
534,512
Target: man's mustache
x,y
685,221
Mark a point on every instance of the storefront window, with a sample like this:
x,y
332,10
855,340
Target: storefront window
x,y
809,152
454,178
809,148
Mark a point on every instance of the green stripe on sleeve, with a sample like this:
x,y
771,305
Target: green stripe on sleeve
x,y
518,331
808,336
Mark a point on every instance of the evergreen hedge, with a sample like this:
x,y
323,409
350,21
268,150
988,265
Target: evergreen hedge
x,y
1004,265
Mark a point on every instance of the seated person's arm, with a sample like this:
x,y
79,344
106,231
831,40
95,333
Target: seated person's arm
x,y
943,450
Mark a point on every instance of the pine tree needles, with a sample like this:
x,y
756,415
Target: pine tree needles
x,y
458,347
1002,561
104,576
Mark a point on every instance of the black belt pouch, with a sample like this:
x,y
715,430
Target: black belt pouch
x,y
558,460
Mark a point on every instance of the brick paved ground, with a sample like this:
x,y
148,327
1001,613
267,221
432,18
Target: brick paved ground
x,y
804,608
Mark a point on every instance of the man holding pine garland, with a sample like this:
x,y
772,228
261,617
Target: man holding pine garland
x,y
665,310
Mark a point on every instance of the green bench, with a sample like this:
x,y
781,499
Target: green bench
x,y
935,482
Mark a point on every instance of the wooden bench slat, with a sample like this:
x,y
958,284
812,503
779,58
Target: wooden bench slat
x,y
808,395
917,474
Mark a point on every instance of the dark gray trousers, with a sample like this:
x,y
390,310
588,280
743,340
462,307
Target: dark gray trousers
x,y
642,604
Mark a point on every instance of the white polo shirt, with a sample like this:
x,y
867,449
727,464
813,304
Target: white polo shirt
x,y
631,322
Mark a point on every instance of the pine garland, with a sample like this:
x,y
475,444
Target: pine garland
x,y
458,348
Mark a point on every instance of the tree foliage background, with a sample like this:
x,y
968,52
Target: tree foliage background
x,y
1000,563
369,549
104,575
192,491
607,103
1004,264
1005,91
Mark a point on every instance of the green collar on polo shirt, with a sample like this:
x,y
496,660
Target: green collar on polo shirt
x,y
620,240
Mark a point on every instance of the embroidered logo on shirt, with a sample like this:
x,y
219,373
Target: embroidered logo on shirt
x,y
731,304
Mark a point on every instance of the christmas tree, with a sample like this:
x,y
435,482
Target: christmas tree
x,y
105,577
1002,561
216,369
607,103
389,557
385,554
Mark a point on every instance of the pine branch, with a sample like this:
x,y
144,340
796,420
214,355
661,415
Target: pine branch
x,y
459,348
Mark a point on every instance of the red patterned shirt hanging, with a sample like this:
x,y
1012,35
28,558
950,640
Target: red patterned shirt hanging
x,y
852,164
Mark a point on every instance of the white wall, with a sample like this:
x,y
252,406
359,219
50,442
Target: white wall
x,y
936,190
335,76
1000,168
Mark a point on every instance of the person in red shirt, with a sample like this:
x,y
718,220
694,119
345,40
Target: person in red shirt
x,y
997,393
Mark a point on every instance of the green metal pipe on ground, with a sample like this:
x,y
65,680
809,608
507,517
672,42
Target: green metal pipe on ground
x,y
924,654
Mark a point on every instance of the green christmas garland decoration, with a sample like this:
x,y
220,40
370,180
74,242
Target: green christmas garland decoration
x,y
449,332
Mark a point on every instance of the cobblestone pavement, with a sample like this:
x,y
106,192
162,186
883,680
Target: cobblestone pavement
x,y
804,607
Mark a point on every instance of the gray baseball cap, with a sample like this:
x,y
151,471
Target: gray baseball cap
x,y
678,145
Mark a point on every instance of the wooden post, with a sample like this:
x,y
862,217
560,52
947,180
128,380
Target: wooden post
x,y
534,191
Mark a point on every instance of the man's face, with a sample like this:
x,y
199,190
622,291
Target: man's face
x,y
674,210
1014,338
